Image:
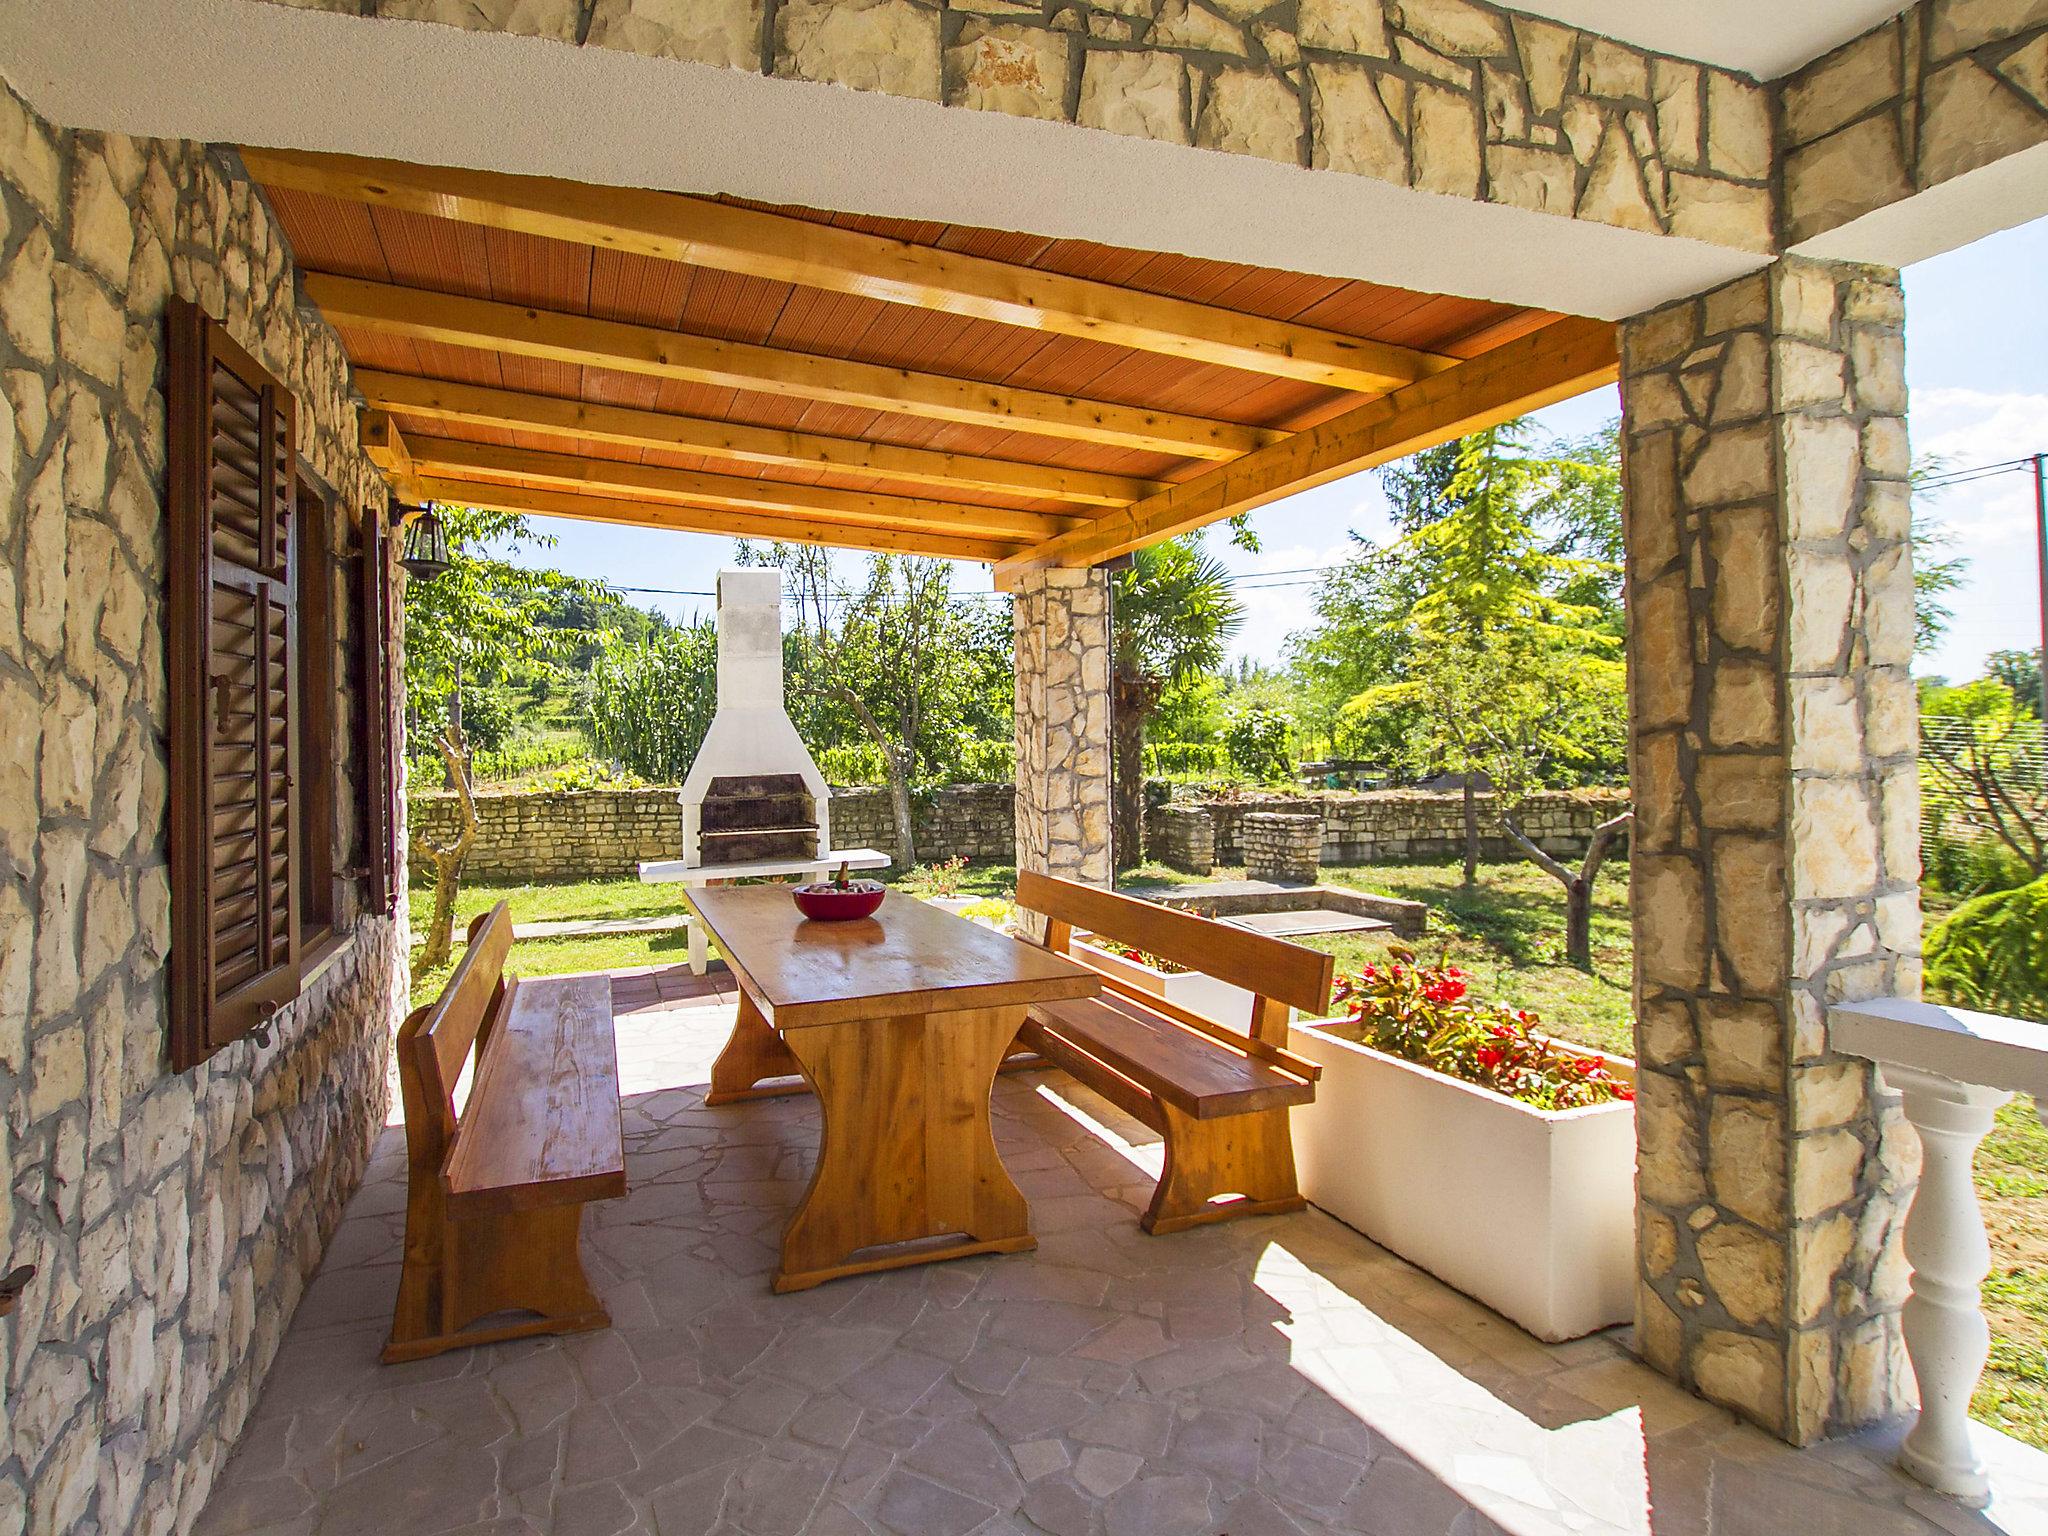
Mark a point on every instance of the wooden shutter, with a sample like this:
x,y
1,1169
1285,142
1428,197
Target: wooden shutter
x,y
232,675
379,780
318,808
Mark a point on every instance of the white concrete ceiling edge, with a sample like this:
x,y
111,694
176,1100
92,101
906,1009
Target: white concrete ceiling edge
x,y
1764,38
235,72
2005,194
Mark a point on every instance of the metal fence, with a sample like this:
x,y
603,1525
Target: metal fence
x,y
2009,759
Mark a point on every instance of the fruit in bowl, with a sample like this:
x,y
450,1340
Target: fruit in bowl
x,y
839,899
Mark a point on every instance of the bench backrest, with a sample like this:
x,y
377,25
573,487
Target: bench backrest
x,y
435,1040
1280,975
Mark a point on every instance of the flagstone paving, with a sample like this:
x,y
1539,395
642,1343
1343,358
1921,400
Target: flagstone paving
x,y
1259,1378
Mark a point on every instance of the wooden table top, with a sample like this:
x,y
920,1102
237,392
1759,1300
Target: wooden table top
x,y
910,957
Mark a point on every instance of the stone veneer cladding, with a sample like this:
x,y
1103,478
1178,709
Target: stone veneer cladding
x,y
1449,96
1776,842
1943,88
1061,621
173,1219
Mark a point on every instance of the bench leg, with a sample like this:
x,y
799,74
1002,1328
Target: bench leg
x,y
526,1261
1219,1169
754,1052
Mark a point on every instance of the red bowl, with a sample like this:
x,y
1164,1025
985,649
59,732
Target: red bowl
x,y
839,903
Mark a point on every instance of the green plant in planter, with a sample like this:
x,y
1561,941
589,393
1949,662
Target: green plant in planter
x,y
1423,1014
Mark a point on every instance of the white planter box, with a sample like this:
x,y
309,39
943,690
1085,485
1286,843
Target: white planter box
x,y
1217,1001
1527,1210
953,904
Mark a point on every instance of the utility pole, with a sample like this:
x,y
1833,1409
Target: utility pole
x,y
2041,533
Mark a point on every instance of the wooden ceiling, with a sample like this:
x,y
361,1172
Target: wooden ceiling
x,y
704,364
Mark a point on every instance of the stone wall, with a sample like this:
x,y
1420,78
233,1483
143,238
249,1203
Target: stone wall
x,y
603,834
1389,825
1182,837
1944,88
172,1219
1770,591
1455,97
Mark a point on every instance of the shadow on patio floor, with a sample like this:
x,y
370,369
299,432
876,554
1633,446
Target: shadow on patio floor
x,y
1267,1376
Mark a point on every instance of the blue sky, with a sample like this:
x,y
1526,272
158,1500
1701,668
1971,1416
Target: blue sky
x,y
1977,362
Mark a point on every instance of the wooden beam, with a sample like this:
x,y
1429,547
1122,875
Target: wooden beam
x,y
385,444
1563,359
705,233
711,520
444,455
486,325
481,405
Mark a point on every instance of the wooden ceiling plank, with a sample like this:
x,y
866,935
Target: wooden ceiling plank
x,y
454,456
1563,359
478,405
705,233
485,324
724,521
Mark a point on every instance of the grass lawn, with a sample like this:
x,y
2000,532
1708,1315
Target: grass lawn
x,y
1506,935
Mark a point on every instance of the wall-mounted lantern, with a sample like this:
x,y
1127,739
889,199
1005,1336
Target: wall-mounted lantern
x,y
425,552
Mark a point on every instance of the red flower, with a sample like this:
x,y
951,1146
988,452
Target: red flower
x,y
1490,1056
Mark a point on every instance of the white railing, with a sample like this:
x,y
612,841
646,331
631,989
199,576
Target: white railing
x,y
1954,1070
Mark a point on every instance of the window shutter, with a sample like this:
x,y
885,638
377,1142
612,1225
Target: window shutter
x,y
380,768
232,674
314,589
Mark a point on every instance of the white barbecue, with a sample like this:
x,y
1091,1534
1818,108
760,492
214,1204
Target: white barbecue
x,y
754,802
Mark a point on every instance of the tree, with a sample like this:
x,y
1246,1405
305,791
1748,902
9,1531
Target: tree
x,y
1508,611
447,858
878,659
1936,573
1983,755
485,614
1171,614
2020,671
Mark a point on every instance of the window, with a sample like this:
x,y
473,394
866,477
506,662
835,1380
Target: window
x,y
234,687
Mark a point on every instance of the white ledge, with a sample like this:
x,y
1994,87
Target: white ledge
x,y
1983,1048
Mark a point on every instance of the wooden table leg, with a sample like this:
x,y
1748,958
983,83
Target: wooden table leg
x,y
754,1052
907,1150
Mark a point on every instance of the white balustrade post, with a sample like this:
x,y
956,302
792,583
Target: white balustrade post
x,y
1946,1335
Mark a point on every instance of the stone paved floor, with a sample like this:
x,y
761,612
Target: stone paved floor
x,y
1263,1377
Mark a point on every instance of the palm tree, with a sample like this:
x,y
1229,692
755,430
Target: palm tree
x,y
1171,613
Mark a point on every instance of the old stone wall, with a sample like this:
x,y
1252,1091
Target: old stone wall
x,y
603,834
173,1219
1456,97
1943,88
1388,825
1182,837
1282,846
1777,834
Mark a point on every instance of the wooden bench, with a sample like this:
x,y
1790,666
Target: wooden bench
x,y
1217,1096
495,1195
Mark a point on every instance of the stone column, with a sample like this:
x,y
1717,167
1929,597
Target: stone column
x,y
1061,622
1776,851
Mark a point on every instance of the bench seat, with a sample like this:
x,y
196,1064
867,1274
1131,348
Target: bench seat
x,y
1198,1074
542,1126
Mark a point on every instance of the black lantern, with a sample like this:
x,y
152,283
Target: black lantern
x,y
425,554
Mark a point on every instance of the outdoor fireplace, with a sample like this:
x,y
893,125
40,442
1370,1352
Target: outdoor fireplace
x,y
753,794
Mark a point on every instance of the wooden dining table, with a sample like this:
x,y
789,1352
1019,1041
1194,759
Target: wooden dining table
x,y
898,1023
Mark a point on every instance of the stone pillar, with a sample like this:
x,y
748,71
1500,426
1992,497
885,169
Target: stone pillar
x,y
1061,621
1283,847
1776,851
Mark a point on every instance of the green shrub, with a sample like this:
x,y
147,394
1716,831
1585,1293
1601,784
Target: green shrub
x,y
854,762
1180,759
1991,953
1257,742
986,762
